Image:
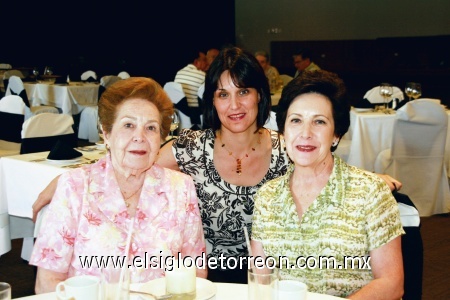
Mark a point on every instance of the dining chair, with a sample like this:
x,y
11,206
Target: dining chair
x,y
412,247
124,75
416,156
42,131
16,87
88,125
88,76
12,116
175,92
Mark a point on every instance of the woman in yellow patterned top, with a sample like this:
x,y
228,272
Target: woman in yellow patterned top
x,y
325,215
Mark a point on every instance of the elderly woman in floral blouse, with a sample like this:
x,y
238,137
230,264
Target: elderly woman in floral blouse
x,y
94,207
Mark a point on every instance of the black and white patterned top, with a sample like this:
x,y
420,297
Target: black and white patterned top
x,y
225,208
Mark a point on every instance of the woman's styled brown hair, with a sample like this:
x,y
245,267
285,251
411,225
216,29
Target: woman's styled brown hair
x,y
133,88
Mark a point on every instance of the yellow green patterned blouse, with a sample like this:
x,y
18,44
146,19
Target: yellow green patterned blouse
x,y
354,213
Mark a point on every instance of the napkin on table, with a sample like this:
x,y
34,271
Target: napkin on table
x,y
63,151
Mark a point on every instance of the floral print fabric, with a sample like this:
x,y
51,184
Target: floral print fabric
x,y
88,217
225,208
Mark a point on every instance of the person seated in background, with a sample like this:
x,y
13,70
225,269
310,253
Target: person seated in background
x,y
302,62
323,207
211,54
192,76
271,72
96,207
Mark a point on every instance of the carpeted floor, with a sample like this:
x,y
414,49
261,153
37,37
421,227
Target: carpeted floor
x,y
435,234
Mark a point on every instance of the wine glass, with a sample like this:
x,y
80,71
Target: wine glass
x,y
417,91
175,123
386,91
36,73
409,87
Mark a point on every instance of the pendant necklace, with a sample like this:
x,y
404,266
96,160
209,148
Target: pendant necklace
x,y
127,204
239,160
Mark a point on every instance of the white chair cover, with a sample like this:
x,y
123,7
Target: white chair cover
x,y
108,80
374,97
15,86
175,92
272,121
47,124
123,75
88,130
416,156
12,104
85,75
15,108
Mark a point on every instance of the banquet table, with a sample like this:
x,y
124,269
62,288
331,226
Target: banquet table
x,y
70,98
370,133
225,291
22,178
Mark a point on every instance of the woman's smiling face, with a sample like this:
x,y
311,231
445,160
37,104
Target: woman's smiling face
x,y
309,129
135,140
236,107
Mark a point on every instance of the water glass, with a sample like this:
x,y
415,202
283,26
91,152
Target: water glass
x,y
263,284
181,280
5,291
115,283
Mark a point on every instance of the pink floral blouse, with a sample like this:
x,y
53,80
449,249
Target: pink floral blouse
x,y
87,220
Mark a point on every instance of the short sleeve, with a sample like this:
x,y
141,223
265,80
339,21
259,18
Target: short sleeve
x,y
383,217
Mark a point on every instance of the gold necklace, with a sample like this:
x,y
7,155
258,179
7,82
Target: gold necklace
x,y
239,160
127,204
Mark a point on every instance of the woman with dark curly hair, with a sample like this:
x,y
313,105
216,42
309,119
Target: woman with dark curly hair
x,y
325,208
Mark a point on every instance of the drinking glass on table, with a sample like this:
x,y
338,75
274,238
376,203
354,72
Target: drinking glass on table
x,y
417,91
386,91
175,123
409,87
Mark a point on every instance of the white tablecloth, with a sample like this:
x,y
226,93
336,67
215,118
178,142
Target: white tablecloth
x,y
21,181
225,291
70,98
371,133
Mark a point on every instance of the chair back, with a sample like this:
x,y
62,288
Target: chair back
x,y
175,92
88,76
12,116
412,247
417,155
16,87
286,78
42,131
123,75
373,95
105,82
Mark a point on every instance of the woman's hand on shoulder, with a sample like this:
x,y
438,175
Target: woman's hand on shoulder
x,y
393,183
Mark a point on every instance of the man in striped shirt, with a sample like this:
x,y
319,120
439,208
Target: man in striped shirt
x,y
192,76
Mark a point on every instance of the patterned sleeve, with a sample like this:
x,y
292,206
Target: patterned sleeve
x,y
193,237
54,246
382,215
185,150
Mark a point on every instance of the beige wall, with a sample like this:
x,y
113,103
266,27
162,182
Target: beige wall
x,y
258,22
